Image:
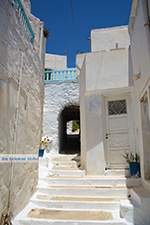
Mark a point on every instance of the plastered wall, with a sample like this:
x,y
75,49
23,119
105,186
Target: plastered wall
x,y
140,59
21,107
58,95
106,39
100,71
55,62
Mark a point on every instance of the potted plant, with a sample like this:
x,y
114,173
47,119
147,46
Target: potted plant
x,y
134,165
43,145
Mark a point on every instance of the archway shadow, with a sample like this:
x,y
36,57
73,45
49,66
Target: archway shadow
x,y
69,143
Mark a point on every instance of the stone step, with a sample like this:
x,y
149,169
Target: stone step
x,y
117,172
73,172
61,214
63,158
85,191
66,196
33,215
78,202
64,161
34,221
78,198
70,168
65,164
98,181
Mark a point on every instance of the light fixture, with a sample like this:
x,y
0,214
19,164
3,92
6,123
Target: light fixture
x,y
136,76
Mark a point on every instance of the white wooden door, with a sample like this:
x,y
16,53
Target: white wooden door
x,y
119,130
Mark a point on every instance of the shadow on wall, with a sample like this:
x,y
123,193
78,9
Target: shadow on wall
x,y
69,142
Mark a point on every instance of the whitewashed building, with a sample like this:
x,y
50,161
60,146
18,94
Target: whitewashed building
x,y
114,117
139,31
106,101
115,76
61,104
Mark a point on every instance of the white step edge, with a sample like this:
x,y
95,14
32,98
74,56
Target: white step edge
x,y
117,172
88,205
115,192
100,181
73,173
69,222
64,164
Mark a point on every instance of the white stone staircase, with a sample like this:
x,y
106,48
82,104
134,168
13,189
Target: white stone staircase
x,y
67,196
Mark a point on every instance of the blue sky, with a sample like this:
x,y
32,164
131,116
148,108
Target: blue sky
x,y
88,14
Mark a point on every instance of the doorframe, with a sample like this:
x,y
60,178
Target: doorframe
x,y
146,89
112,93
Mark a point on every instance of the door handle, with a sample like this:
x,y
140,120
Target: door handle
x,y
107,136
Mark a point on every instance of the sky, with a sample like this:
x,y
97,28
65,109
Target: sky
x,y
87,15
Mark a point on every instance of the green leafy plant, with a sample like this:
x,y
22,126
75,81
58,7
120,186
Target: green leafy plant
x,y
75,126
43,143
130,158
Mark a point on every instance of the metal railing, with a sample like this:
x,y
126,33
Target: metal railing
x,y
23,18
60,75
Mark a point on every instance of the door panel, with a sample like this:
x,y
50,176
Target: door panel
x,y
117,154
118,130
119,140
118,123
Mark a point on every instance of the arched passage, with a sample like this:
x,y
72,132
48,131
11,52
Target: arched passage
x,y
69,142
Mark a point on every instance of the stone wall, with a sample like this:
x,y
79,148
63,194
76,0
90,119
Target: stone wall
x,y
58,95
21,107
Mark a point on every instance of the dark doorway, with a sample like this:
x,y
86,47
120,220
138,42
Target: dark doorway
x,y
69,130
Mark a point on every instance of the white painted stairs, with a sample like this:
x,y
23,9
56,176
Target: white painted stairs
x,y
67,196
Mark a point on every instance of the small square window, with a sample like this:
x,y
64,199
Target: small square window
x,y
117,107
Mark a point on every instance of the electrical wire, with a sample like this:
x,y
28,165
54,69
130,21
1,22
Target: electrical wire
x,y
42,10
73,26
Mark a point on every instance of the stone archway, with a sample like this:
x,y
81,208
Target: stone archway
x,y
69,142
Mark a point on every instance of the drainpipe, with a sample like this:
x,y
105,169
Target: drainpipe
x,y
41,52
41,40
15,136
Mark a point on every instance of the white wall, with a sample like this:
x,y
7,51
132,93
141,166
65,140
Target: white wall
x,y
107,70
106,39
55,62
82,81
79,62
95,161
100,71
140,55
58,95
21,107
